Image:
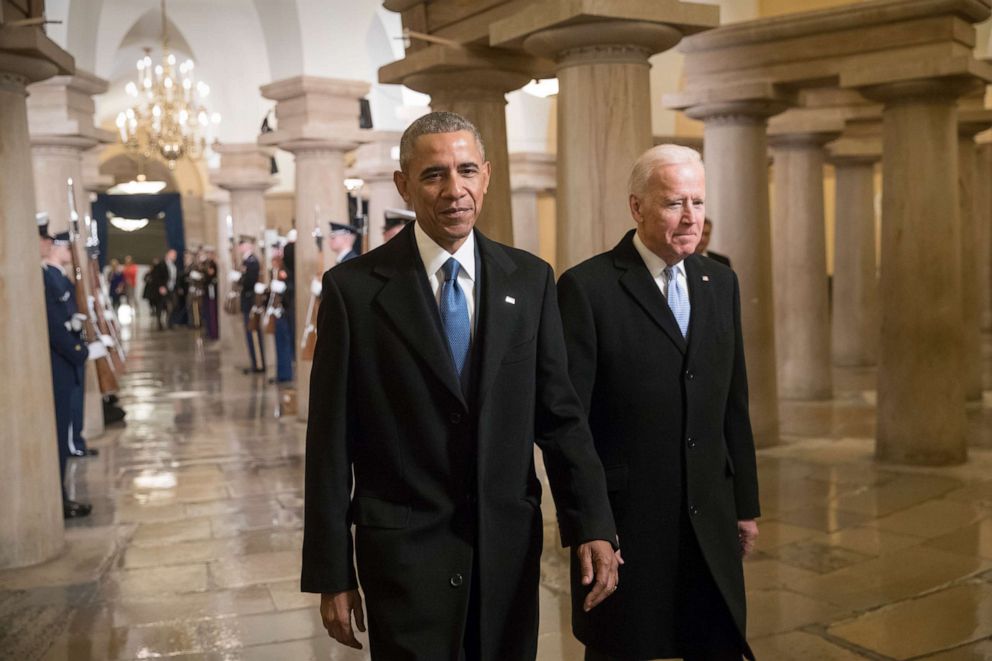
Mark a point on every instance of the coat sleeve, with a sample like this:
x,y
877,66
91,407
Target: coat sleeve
x,y
737,426
328,564
574,470
62,341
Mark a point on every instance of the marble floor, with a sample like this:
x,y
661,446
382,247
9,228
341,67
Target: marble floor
x,y
192,551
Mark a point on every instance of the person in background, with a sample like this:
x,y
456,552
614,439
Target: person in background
x,y
117,284
130,270
395,220
208,266
251,271
704,245
342,242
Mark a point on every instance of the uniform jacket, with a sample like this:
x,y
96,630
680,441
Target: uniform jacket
x,y
670,423
442,480
252,269
68,349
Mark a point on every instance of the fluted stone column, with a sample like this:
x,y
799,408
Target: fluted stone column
x,y
983,189
62,131
802,316
736,155
318,123
970,124
531,173
921,384
375,163
31,527
854,322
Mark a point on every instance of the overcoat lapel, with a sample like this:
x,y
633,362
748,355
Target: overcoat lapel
x,y
494,312
637,282
405,300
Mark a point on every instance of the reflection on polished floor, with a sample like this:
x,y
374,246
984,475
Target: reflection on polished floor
x,y
193,548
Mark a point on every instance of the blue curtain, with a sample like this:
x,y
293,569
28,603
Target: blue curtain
x,y
169,205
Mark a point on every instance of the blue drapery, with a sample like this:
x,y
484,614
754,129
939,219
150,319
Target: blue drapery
x,y
141,206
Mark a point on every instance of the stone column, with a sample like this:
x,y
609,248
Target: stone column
x,y
802,316
854,324
736,155
317,121
375,163
31,527
227,325
983,189
244,174
531,173
62,131
921,384
973,233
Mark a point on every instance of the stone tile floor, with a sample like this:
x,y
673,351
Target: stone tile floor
x,y
193,548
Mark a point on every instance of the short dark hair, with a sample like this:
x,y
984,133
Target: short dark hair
x,y
436,122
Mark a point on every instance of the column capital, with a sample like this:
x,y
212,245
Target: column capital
x,y
61,110
441,69
973,122
802,127
28,55
314,108
243,166
626,42
533,171
958,79
751,102
848,150
555,27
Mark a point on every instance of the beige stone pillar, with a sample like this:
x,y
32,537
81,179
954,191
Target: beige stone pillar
x,y
973,232
317,121
736,156
244,174
31,527
983,189
62,131
375,163
921,385
799,258
531,173
854,323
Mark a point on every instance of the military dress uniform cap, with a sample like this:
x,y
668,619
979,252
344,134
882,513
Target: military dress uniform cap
x,y
42,219
340,227
397,217
246,238
61,239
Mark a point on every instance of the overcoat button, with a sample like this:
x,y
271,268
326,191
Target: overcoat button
x,y
456,581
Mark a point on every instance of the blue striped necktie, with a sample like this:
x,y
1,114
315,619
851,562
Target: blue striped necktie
x,y
678,302
454,314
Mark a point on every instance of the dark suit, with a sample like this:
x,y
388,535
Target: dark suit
x,y
68,357
251,271
670,423
715,256
445,488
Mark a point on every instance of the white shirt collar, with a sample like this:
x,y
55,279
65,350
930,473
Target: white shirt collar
x,y
434,256
656,265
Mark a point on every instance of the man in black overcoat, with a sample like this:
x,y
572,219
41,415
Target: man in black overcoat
x,y
656,355
439,362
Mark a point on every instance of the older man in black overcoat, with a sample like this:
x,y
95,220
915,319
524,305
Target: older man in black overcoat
x,y
656,355
439,362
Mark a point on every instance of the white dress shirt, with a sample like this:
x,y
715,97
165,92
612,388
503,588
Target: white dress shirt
x,y
434,256
171,266
656,267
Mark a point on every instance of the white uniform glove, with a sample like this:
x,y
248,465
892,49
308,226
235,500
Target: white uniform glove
x,y
259,288
76,323
234,276
316,287
107,341
278,287
97,350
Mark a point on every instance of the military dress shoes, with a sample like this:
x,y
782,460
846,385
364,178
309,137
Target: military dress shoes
x,y
73,510
88,452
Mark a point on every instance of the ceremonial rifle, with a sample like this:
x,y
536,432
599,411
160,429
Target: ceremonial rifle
x,y
100,307
308,341
104,371
232,304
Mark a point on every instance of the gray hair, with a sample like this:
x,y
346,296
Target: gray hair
x,y
657,157
436,122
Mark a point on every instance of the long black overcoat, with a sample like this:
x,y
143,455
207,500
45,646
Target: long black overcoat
x,y
441,483
670,423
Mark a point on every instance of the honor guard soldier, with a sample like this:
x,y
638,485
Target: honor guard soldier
x,y
394,221
68,350
342,242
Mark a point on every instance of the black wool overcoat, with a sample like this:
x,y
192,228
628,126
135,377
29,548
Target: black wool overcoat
x,y
444,484
670,422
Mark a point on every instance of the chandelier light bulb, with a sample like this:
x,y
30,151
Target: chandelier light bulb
x,y
187,84
131,89
202,89
156,110
167,82
171,59
188,64
183,116
202,118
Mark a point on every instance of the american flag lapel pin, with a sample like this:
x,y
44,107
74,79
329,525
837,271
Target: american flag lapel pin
x,y
511,300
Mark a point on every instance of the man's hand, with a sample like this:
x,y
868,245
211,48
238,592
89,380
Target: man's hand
x,y
598,563
336,609
747,535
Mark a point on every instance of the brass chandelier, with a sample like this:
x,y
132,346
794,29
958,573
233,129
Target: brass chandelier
x,y
168,118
